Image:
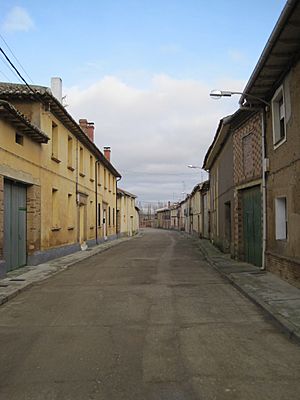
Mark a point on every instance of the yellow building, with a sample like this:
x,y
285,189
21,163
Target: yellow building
x,y
128,213
57,189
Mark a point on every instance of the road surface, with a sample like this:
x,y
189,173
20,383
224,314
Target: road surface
x,y
148,319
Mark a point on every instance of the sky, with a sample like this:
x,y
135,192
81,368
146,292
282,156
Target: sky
x,y
142,71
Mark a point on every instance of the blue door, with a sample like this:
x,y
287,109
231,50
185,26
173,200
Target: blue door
x,y
14,225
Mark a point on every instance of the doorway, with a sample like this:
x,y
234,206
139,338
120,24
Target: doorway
x,y
14,224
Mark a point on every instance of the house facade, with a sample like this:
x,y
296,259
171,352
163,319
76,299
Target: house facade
x,y
219,162
127,213
65,185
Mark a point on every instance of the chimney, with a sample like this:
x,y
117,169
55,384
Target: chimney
x,y
107,153
56,88
88,128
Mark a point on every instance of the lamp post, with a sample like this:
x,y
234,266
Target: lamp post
x,y
217,94
197,167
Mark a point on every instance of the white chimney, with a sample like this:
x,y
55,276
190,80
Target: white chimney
x,y
56,88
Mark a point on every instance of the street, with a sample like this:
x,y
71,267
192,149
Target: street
x,y
147,319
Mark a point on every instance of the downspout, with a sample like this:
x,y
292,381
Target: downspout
x,y
264,197
96,199
77,194
117,180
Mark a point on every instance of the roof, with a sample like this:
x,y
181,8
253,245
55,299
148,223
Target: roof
x,y
34,93
9,113
125,193
162,209
281,52
223,132
217,143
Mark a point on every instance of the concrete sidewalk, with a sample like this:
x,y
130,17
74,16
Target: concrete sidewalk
x,y
275,296
23,278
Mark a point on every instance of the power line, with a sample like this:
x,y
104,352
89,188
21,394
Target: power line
x,y
5,76
15,57
36,95
7,66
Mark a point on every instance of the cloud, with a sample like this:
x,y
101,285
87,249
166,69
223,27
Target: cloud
x,y
17,19
156,132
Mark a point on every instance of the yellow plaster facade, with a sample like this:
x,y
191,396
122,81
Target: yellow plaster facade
x,y
128,216
70,186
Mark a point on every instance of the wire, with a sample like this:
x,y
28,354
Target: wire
x,y
5,76
36,95
7,66
15,57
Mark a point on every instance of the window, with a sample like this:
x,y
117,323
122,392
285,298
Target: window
x,y
113,216
99,174
278,114
105,179
109,182
114,185
99,214
91,169
55,214
54,141
70,152
19,139
280,218
109,222
70,211
81,161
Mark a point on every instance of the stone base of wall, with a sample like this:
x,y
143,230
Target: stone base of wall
x,y
287,268
40,257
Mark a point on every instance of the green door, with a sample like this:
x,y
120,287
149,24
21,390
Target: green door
x,y
14,225
252,225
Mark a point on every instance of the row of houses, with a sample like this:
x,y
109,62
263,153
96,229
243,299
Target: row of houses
x,y
250,206
58,191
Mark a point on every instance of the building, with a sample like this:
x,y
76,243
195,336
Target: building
x,y
127,213
57,189
163,218
276,80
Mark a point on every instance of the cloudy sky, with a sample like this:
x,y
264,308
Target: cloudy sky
x,y
142,71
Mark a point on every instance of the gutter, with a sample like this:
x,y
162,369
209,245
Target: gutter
x,y
284,16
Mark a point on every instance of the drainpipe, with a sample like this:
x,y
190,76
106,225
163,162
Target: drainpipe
x,y
116,221
77,194
96,199
264,197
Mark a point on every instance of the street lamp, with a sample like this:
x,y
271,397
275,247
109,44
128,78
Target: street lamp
x,y
197,167
217,94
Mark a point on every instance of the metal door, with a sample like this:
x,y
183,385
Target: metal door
x,y
14,225
252,225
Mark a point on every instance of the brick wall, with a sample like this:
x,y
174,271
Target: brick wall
x,y
33,219
247,168
1,216
287,269
247,151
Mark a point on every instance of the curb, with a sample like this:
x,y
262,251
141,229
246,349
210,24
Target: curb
x,y
54,266
285,326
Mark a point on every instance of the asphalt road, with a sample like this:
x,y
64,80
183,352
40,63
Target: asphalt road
x,y
148,319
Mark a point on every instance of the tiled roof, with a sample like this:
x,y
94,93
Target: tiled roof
x,y
9,113
17,91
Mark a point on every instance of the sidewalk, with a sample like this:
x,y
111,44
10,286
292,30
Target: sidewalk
x,y
23,278
279,299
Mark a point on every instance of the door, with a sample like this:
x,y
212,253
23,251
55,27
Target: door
x,y
252,225
82,236
14,225
205,217
227,241
104,224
